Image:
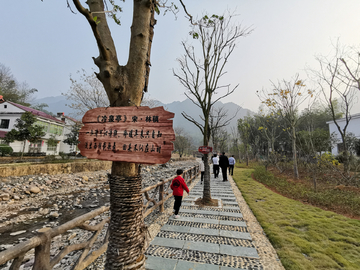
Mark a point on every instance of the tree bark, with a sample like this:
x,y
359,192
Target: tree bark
x,y
127,229
207,185
206,191
23,150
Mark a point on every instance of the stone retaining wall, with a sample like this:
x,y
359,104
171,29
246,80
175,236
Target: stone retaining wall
x,y
73,167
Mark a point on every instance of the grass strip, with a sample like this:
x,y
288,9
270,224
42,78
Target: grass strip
x,y
347,200
305,237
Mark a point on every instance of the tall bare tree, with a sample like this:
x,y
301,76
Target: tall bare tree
x,y
182,141
285,99
338,79
218,119
270,128
87,93
200,72
244,132
349,70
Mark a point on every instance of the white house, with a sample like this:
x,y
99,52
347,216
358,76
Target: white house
x,y
68,124
10,111
353,127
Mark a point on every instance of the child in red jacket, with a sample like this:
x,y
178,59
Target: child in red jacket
x,y
178,185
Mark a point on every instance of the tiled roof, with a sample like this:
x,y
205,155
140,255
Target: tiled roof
x,y
36,112
2,134
73,119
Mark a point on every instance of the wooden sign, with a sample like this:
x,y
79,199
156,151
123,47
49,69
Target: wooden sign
x,y
205,149
128,134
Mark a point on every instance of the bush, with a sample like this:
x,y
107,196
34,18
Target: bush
x,y
39,154
50,157
328,158
5,150
341,157
63,155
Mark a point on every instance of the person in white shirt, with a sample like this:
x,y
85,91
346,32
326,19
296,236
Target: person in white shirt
x,y
231,165
215,161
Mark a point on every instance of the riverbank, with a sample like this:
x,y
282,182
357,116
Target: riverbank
x,y
59,198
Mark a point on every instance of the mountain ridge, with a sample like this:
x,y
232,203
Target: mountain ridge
x,y
60,104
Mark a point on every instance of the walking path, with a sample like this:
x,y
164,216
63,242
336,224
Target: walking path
x,y
213,238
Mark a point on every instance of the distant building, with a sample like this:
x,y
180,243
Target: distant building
x,y
53,126
68,124
353,127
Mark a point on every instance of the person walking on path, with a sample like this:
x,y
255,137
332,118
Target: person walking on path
x,y
178,185
224,164
231,165
215,161
202,169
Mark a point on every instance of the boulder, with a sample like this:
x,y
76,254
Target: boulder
x,y
85,178
48,182
4,197
44,211
54,214
34,189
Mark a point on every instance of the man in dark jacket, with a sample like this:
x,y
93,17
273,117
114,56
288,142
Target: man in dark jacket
x,y
224,164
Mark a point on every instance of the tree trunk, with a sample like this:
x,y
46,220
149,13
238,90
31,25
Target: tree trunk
x,y
127,228
247,155
23,150
206,191
206,138
296,172
346,157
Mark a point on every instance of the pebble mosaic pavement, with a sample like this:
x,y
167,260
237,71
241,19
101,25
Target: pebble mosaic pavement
x,y
213,238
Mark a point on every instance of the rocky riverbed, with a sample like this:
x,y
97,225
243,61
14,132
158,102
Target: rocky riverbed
x,y
31,203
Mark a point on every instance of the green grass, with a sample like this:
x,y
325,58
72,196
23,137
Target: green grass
x,y
305,237
347,200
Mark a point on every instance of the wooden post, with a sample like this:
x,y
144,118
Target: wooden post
x,y
17,262
161,196
42,253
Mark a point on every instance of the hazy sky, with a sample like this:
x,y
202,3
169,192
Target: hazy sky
x,y
43,43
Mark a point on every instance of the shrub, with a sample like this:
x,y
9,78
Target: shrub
x,y
5,150
341,157
328,158
50,157
63,155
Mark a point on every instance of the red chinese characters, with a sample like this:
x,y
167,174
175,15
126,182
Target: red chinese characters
x,y
205,149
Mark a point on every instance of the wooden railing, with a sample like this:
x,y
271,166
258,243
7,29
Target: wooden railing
x,y
42,241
